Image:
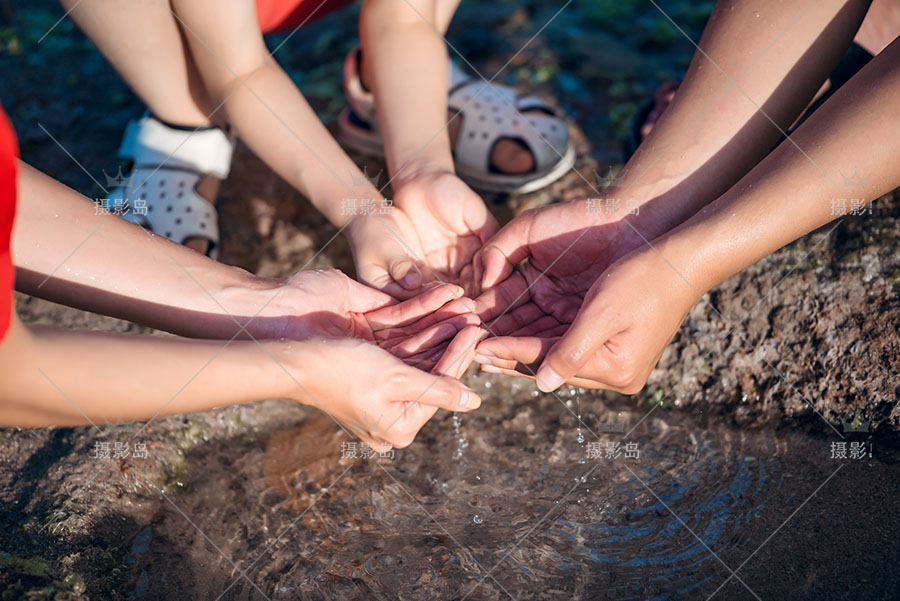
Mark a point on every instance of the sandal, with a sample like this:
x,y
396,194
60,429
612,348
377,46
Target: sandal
x,y
490,113
167,164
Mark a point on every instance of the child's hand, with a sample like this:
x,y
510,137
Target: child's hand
x,y
387,253
451,221
370,392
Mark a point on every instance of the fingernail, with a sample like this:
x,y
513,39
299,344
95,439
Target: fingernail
x,y
491,369
465,399
485,353
547,379
482,358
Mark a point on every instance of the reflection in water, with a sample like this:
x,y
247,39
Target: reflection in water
x,y
559,517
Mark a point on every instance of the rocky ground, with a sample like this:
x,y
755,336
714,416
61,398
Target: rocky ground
x,y
805,339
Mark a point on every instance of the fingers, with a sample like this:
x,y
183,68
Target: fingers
x,y
501,253
429,338
378,278
513,353
404,272
583,340
402,431
574,381
460,352
510,294
443,392
424,304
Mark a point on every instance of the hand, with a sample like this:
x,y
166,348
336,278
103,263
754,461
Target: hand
x,y
567,248
387,253
616,338
326,303
370,392
451,221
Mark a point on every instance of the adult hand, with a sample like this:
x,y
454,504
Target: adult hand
x,y
326,303
614,340
567,246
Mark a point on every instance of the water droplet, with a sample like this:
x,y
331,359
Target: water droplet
x,y
582,461
461,442
580,437
477,477
477,519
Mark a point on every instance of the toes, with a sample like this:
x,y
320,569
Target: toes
x,y
511,156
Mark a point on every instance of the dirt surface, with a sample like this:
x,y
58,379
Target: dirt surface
x,y
804,340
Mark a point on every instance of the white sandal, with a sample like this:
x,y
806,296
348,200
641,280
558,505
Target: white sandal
x,y
490,113
160,192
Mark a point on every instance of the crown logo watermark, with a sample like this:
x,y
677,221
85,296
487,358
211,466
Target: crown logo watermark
x,y
114,182
367,179
856,425
611,179
855,179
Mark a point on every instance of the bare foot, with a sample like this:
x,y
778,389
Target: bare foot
x,y
509,156
208,188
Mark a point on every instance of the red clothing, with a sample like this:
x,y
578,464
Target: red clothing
x,y
285,15
8,154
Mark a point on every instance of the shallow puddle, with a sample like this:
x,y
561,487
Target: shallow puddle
x,y
646,507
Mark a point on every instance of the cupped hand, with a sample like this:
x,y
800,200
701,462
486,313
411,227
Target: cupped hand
x,y
617,336
372,393
451,221
567,246
326,303
387,253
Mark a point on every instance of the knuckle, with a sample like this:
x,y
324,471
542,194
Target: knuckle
x,y
401,440
622,379
398,380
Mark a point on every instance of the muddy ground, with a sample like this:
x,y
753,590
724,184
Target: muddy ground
x,y
806,339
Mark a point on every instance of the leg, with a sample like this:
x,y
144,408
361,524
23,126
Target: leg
x,y
143,42
508,156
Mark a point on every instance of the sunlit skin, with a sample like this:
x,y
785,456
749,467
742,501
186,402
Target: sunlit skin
x,y
183,64
633,309
67,377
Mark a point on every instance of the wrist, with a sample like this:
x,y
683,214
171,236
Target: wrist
x,y
290,362
421,169
259,304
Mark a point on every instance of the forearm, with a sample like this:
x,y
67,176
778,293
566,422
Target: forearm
x,y
67,253
791,192
273,118
62,377
410,87
264,106
770,55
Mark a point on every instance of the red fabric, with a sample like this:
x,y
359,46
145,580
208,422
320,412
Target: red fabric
x,y
8,154
285,15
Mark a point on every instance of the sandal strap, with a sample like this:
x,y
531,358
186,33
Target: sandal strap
x,y
361,101
164,200
148,141
492,113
